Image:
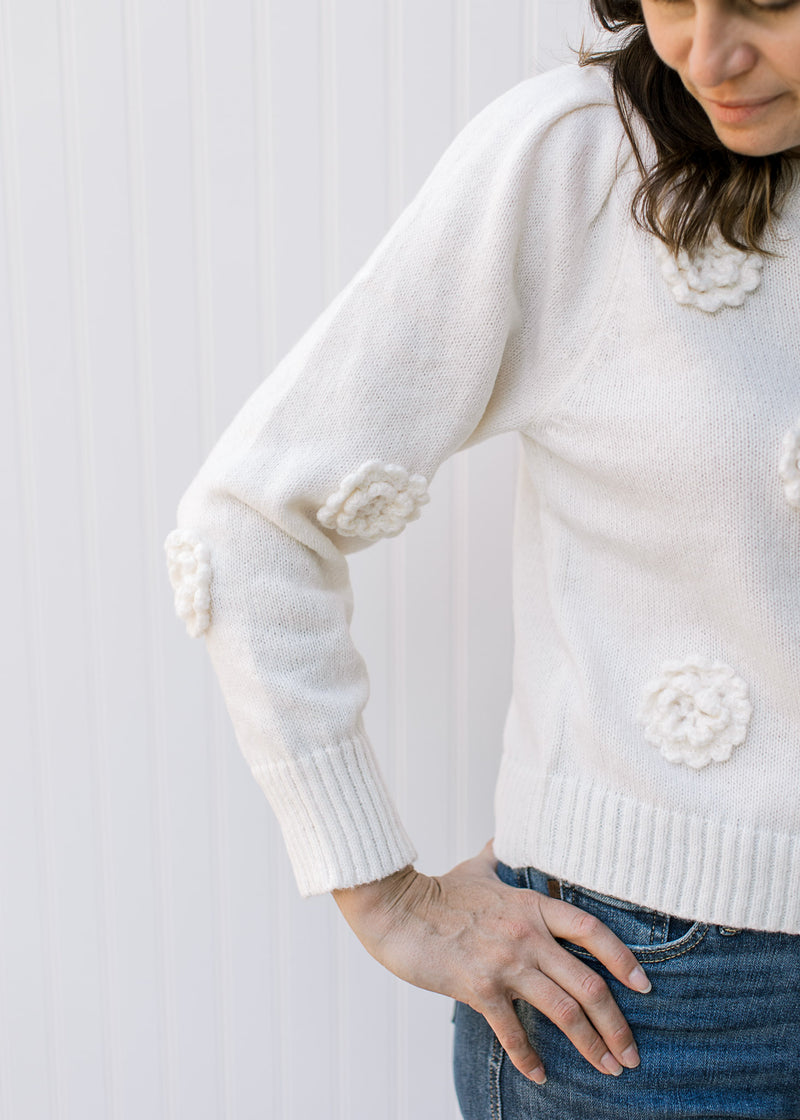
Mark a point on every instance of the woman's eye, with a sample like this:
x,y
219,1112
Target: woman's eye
x,y
781,6
774,7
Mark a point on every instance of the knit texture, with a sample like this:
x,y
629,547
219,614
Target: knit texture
x,y
653,734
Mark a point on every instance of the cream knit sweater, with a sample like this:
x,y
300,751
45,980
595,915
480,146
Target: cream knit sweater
x,y
652,744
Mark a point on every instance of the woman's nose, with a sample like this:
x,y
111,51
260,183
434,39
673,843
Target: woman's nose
x,y
721,50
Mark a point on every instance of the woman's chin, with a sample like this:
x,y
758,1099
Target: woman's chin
x,y
756,140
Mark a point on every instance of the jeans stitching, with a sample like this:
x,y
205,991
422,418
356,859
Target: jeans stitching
x,y
610,900
495,1062
568,894
655,956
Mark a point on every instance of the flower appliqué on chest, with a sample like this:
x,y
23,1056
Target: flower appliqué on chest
x,y
375,501
696,711
789,465
719,275
189,565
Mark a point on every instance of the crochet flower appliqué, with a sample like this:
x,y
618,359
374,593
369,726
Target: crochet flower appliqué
x,y
719,275
188,561
375,501
696,712
789,465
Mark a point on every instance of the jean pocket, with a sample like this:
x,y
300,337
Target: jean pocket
x,y
651,935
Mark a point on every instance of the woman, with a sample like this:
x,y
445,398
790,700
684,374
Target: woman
x,y
609,267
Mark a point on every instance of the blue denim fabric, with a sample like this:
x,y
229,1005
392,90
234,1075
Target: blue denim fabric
x,y
718,1034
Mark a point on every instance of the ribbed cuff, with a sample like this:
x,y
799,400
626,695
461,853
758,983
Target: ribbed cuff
x,y
339,824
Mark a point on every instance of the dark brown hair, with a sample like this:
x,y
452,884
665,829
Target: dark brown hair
x,y
697,185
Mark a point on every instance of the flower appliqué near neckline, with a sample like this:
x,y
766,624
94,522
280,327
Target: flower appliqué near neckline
x,y
375,501
696,711
789,466
720,275
189,565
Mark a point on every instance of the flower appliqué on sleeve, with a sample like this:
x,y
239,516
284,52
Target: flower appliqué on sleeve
x,y
188,561
719,275
375,501
789,466
696,712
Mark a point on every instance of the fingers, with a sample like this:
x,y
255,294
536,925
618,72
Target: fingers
x,y
581,928
511,1035
581,1005
571,994
575,997
577,1000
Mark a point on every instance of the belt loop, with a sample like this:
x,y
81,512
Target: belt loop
x,y
554,888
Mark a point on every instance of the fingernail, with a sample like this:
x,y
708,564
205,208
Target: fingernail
x,y
630,1057
538,1076
610,1064
639,980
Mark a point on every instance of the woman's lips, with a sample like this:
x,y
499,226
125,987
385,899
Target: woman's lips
x,y
733,112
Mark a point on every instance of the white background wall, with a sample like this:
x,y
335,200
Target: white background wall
x,y
184,187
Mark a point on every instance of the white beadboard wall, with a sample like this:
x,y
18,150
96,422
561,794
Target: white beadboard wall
x,y
184,186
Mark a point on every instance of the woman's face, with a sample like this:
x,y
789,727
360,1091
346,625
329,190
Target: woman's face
x,y
741,60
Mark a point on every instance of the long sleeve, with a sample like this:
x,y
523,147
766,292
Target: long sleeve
x,y
423,353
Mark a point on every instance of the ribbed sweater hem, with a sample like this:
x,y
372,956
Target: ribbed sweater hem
x,y
708,870
338,821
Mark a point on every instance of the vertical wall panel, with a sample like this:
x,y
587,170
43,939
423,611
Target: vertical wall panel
x,y
25,980
184,186
64,813
559,28
295,63
100,187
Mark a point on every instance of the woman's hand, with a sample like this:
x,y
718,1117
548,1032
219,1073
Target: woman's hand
x,y
470,936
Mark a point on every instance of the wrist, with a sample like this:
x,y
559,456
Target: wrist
x,y
380,896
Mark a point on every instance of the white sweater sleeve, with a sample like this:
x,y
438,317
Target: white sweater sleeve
x,y
417,357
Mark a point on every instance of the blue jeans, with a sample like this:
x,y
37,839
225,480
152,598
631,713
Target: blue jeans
x,y
718,1034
